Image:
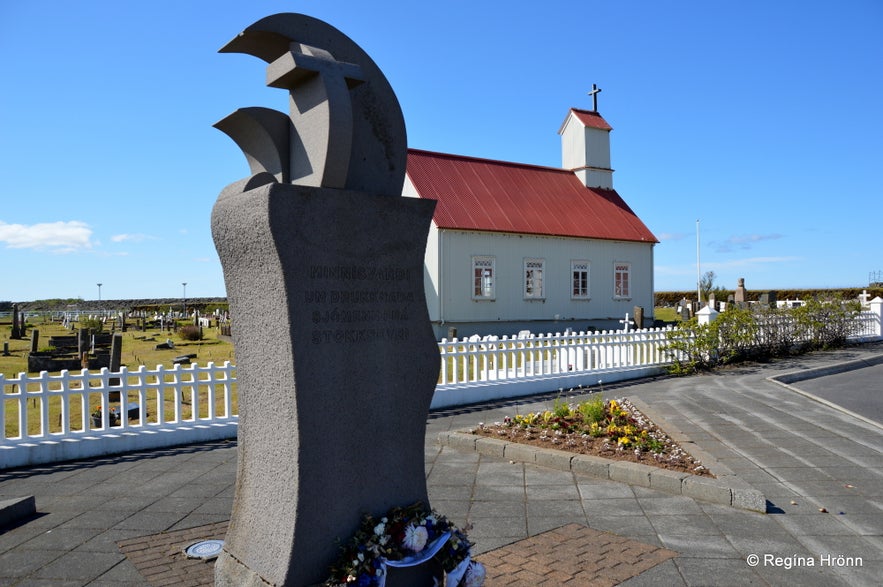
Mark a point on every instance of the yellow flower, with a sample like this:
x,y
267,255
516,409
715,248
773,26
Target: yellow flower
x,y
624,440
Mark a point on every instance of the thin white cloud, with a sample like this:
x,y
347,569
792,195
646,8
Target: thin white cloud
x,y
671,236
676,270
132,238
749,261
742,242
57,237
719,266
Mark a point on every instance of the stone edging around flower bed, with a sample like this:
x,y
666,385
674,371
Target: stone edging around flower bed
x,y
726,489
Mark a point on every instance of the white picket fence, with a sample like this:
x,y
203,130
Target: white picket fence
x,y
482,369
192,403
169,406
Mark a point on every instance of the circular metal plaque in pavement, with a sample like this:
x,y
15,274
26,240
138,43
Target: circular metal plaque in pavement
x,y
204,549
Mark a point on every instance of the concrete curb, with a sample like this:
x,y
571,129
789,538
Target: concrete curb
x,y
14,510
827,370
788,378
31,451
726,489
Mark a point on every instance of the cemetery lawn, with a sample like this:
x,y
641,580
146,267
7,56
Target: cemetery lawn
x,y
138,349
612,429
667,314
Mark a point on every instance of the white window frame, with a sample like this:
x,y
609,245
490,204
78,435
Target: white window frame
x,y
622,268
577,291
484,284
534,287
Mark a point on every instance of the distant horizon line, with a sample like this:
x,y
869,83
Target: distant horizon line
x,y
199,299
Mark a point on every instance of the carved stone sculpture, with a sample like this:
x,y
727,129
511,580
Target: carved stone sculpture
x,y
323,264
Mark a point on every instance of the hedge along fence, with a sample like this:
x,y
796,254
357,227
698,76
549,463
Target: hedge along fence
x,y
755,332
671,298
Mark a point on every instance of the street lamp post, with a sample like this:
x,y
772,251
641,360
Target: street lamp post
x,y
184,284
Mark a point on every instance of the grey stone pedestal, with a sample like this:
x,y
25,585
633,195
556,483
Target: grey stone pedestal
x,y
337,367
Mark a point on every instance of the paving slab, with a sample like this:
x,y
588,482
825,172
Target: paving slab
x,y
570,555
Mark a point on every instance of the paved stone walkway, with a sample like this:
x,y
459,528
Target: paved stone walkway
x,y
803,455
570,555
161,559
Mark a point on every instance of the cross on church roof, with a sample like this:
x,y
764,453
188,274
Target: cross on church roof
x,y
594,95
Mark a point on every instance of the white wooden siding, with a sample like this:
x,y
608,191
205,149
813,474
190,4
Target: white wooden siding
x,y
456,249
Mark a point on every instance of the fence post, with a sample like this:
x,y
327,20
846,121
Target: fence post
x,y
876,306
707,315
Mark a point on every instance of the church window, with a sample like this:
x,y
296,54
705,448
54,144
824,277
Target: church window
x,y
483,278
622,280
579,271
534,283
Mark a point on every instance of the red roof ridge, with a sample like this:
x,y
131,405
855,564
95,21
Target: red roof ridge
x,y
487,160
590,118
501,196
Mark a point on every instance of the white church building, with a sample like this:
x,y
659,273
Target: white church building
x,y
518,247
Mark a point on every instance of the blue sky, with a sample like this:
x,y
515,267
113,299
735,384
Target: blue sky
x,y
762,119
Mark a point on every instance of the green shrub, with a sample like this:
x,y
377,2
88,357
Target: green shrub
x,y
827,323
95,325
593,409
190,332
760,333
561,409
692,347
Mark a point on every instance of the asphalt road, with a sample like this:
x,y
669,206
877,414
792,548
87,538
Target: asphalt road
x,y
859,390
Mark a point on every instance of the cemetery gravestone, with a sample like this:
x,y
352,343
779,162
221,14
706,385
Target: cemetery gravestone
x,y
739,296
116,359
82,341
639,317
334,395
769,298
16,330
685,309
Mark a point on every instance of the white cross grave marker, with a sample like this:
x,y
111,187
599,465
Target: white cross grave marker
x,y
626,322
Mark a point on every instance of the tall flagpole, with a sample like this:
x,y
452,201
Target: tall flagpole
x,y
698,270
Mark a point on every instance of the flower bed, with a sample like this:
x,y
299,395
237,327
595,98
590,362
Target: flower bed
x,y
613,429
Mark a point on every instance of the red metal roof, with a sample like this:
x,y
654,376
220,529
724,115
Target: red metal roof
x,y
497,196
591,119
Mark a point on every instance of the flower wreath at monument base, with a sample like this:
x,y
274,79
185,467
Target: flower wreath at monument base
x,y
405,537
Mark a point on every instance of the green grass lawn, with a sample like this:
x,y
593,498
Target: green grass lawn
x,y
666,314
137,350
